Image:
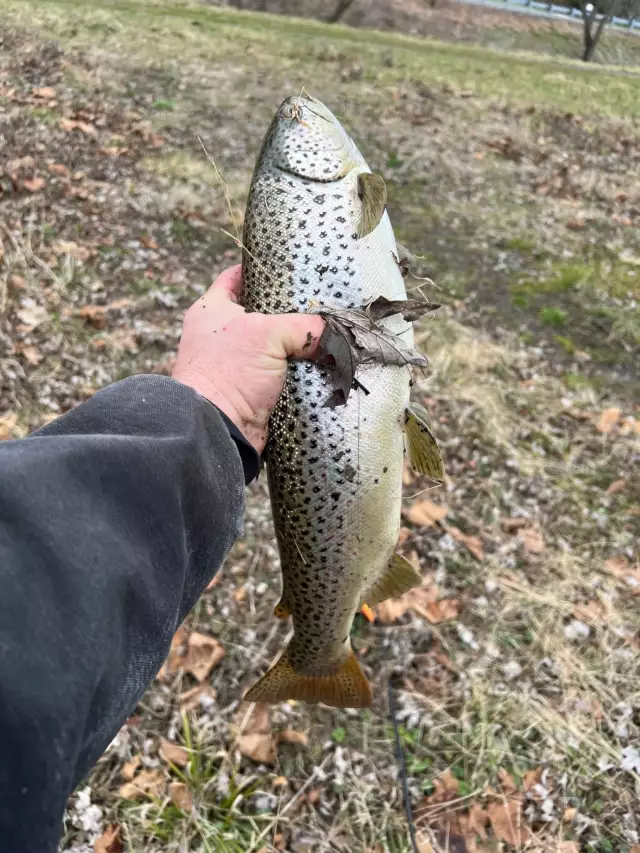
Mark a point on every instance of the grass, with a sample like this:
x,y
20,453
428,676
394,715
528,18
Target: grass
x,y
530,80
536,270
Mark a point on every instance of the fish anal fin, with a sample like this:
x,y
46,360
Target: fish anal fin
x,y
422,447
282,610
346,688
372,193
399,577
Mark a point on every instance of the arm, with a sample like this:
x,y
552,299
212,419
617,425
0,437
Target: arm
x,y
113,519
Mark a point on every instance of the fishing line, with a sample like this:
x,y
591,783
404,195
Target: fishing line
x,y
402,765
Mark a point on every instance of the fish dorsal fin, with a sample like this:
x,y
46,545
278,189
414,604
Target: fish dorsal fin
x,y
372,193
346,688
399,577
422,447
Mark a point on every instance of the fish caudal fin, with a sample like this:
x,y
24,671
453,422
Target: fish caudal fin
x,y
399,577
346,688
422,447
372,193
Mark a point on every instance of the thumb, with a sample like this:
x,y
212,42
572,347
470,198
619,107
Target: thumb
x,y
297,335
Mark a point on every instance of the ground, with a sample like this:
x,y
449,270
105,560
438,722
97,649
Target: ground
x,y
515,180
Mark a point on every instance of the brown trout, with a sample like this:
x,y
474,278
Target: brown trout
x,y
317,234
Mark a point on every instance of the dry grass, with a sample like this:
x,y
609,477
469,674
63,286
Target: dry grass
x,y
524,677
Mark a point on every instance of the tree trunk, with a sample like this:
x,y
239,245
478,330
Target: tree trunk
x,y
339,11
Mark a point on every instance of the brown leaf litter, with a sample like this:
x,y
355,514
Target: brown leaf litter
x,y
110,841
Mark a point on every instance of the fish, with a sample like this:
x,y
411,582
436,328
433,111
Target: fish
x,y
317,237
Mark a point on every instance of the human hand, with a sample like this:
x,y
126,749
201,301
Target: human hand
x,y
238,361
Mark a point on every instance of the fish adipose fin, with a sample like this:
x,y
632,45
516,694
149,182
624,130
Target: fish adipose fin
x,y
346,688
282,609
399,577
372,192
423,450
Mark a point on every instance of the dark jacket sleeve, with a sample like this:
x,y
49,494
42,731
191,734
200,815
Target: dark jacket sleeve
x,y
113,519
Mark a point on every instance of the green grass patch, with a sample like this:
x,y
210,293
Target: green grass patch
x,y
553,316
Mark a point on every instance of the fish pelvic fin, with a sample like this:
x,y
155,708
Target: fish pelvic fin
x,y
372,192
399,577
422,447
348,687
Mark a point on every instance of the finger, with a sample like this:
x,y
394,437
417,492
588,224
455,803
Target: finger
x,y
229,283
298,334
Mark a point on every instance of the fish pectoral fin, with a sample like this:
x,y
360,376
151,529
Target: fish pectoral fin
x,y
282,609
399,577
372,193
422,447
346,688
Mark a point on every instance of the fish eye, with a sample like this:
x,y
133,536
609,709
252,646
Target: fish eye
x,y
292,111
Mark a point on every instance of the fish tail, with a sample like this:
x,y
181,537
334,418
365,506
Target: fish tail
x,y
346,688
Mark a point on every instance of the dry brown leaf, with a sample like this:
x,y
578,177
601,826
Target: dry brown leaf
x,y
150,783
294,737
203,654
507,781
512,525
44,92
531,779
619,567
128,770
478,819
446,782
615,487
8,423
34,185
416,600
593,611
259,747
83,126
32,355
109,841
635,848
425,513
201,694
75,250
259,719
506,821
442,610
532,540
607,420
173,753
567,847
181,796
473,544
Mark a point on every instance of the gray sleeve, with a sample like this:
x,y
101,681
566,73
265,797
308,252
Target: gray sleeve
x,y
113,519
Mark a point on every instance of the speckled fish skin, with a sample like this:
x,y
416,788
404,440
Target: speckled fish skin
x,y
335,474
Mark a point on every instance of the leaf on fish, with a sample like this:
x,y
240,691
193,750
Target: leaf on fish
x,y
352,338
411,309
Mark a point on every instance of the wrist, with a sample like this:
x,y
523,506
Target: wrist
x,y
253,428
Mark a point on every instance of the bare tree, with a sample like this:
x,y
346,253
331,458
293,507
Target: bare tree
x,y
595,16
338,12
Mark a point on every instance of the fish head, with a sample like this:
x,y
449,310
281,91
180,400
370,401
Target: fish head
x,y
306,139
